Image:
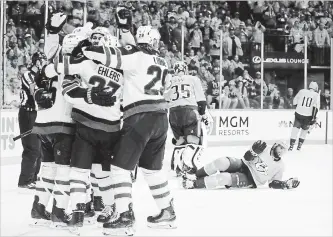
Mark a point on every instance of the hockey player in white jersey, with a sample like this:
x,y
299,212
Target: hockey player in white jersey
x,y
56,128
187,104
257,167
144,130
95,94
307,102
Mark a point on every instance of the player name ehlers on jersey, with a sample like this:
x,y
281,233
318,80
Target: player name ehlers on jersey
x,y
108,72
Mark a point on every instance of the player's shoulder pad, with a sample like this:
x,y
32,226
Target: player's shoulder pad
x,y
129,49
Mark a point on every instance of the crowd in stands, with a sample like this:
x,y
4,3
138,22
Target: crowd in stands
x,y
240,25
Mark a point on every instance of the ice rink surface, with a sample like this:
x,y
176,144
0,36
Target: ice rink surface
x,y
305,211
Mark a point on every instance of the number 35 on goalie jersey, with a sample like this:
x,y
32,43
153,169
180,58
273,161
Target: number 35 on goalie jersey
x,y
184,90
144,75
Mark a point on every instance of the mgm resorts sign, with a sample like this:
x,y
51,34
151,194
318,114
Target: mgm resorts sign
x,y
281,60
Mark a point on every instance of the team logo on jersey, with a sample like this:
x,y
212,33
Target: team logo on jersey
x,y
262,167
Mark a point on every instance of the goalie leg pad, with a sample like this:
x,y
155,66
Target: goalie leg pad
x,y
79,180
192,139
219,165
190,157
61,187
218,181
159,187
176,157
241,180
45,182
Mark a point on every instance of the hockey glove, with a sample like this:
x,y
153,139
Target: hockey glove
x,y
124,18
55,22
292,183
207,120
100,96
257,148
313,121
78,49
43,99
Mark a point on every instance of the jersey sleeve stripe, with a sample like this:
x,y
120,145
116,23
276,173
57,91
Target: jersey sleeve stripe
x,y
56,63
68,88
108,56
118,58
32,80
66,65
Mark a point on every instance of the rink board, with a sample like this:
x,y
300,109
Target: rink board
x,y
235,127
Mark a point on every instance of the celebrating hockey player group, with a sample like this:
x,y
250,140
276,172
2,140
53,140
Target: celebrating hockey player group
x,y
102,112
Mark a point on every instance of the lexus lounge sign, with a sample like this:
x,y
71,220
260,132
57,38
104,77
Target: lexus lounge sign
x,y
276,60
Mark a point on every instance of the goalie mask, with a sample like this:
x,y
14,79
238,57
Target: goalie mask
x,y
148,35
278,150
180,67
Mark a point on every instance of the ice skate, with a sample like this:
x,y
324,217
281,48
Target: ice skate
x,y
59,218
89,213
166,219
122,225
108,213
98,203
40,216
76,219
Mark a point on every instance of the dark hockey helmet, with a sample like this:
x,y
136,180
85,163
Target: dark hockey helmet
x,y
38,59
278,150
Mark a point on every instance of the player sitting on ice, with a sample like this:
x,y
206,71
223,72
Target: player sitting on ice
x,y
187,103
307,102
258,166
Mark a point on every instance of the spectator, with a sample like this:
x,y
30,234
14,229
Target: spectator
x,y
12,94
166,34
243,100
196,37
192,68
233,44
30,47
288,99
207,34
325,102
321,37
213,92
12,69
215,45
77,13
235,63
235,22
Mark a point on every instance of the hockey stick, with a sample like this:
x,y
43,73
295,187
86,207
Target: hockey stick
x,y
313,125
22,135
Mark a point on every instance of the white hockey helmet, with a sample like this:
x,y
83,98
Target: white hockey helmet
x,y
97,34
179,67
70,42
314,86
148,35
278,150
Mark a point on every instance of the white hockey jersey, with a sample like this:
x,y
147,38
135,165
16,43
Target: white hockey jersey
x,y
92,74
265,169
184,90
305,101
144,75
56,119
